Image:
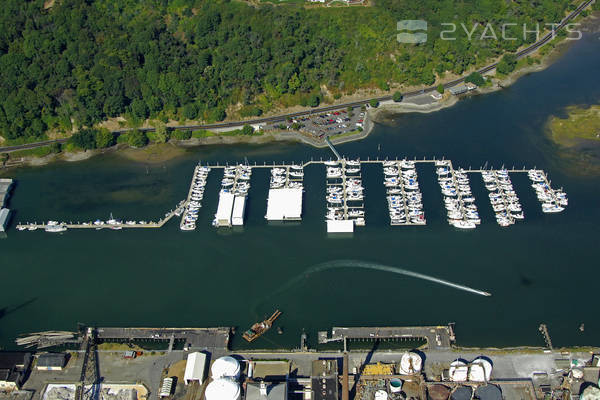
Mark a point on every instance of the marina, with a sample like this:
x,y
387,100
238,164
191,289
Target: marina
x,y
345,196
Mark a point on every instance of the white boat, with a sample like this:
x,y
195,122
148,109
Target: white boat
x,y
464,224
53,226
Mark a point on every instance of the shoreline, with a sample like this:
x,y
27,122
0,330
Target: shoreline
x,y
373,116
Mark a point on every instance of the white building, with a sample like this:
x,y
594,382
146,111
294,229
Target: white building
x,y
284,204
224,209
195,368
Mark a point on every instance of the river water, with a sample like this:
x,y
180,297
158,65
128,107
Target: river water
x,y
544,269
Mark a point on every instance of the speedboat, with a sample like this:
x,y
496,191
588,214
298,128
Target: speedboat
x,y
464,224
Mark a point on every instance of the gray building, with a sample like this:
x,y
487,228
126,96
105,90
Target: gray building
x,y
266,391
13,369
324,380
51,362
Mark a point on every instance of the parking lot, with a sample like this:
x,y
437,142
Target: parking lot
x,y
326,124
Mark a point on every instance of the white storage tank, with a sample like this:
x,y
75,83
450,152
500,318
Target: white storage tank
x,y
486,365
226,366
222,389
458,371
410,363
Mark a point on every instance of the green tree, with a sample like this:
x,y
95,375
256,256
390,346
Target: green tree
x,y
294,83
84,139
180,134
139,109
161,132
314,100
247,130
440,88
507,64
374,103
397,97
104,138
475,78
3,158
190,111
137,138
55,147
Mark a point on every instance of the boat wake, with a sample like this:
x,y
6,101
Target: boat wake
x,y
338,264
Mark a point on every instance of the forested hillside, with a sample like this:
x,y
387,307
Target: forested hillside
x,y
84,61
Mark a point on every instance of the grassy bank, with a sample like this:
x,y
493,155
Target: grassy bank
x,y
580,123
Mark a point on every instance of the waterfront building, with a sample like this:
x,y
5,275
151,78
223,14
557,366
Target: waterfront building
x,y
51,362
14,366
195,368
266,391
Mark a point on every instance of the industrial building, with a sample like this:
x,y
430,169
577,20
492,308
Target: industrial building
x,y
195,368
51,362
324,380
266,391
284,204
14,366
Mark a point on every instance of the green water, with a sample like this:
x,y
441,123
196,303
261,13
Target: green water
x,y
543,269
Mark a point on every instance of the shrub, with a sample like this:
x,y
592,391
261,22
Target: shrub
x,y
182,134
397,97
374,103
137,138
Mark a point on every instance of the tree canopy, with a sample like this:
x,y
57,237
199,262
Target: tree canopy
x,y
84,61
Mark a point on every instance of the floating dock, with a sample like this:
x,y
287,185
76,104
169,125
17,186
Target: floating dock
x,y
193,201
5,186
345,208
404,197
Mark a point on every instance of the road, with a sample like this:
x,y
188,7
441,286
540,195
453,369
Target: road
x,y
528,50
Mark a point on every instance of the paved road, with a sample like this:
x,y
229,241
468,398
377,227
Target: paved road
x,y
545,39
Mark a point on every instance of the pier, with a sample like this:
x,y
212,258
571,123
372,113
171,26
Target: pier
x,y
194,198
345,196
284,202
205,338
437,337
403,194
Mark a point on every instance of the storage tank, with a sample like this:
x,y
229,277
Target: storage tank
x,y
458,371
486,365
476,373
222,389
410,363
395,385
462,393
438,392
381,395
225,367
488,392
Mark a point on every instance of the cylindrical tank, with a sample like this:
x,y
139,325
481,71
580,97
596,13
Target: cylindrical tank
x,y
410,363
395,385
458,371
381,395
222,389
486,365
438,392
225,367
488,392
462,393
476,373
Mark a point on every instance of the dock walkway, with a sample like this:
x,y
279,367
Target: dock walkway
x,y
209,338
438,337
